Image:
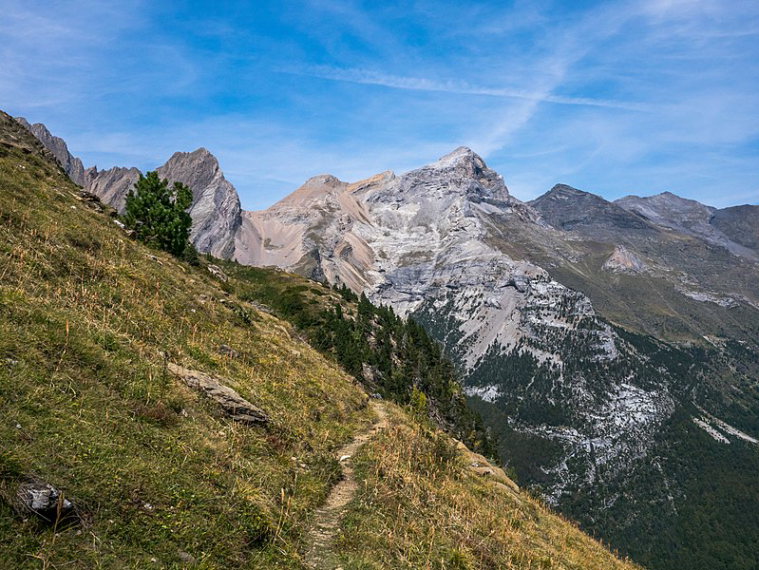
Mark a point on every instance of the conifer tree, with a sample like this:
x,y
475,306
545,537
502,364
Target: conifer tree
x,y
158,214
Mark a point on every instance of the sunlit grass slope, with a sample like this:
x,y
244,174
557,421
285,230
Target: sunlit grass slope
x,y
89,320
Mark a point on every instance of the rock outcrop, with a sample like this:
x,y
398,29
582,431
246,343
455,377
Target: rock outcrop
x,y
622,260
112,185
215,211
216,389
567,208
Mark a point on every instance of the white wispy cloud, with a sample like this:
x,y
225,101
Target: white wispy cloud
x,y
454,87
627,96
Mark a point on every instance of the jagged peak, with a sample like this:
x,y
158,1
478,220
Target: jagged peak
x,y
461,156
26,123
200,165
464,169
201,154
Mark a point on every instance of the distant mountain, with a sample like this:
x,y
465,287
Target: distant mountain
x,y
611,345
740,224
696,219
567,208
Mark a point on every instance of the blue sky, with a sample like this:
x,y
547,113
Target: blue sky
x,y
611,97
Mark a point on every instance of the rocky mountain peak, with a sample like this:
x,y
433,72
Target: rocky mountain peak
x,y
732,228
197,169
566,191
666,204
461,156
324,180
56,145
461,171
568,208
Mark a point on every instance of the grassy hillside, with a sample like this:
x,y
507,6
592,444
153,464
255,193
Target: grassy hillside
x,y
160,476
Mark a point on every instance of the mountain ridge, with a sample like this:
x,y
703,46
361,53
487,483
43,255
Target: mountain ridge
x,y
585,329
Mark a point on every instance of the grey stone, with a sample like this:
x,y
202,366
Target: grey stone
x,y
46,502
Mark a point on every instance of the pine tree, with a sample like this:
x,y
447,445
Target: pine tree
x,y
158,214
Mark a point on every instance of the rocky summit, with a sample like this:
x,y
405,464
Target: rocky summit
x,y
612,346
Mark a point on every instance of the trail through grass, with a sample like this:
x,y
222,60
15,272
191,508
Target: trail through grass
x,y
321,553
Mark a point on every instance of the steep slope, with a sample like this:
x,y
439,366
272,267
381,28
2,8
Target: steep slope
x,y
181,425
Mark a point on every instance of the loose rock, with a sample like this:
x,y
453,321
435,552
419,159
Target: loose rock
x,y
45,502
217,272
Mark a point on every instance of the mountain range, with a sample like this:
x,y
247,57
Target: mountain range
x,y
611,346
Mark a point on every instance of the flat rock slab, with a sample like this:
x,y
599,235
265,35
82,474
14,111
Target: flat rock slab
x,y
234,405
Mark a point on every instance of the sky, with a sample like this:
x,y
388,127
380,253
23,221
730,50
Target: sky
x,y
613,97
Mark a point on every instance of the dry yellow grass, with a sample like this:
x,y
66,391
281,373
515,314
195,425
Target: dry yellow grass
x,y
425,504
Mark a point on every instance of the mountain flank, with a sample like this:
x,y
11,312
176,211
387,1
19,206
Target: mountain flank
x,y
155,471
612,346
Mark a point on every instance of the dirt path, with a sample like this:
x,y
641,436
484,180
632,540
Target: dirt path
x,y
320,555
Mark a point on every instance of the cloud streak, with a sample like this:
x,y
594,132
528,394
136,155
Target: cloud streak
x,y
452,87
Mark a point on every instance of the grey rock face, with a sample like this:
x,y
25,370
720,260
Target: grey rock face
x,y
112,185
72,165
216,211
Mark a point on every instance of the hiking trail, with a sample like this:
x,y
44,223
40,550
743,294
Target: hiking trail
x,y
320,554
